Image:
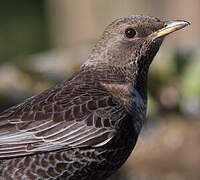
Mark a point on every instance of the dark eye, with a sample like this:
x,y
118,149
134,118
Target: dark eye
x,y
130,32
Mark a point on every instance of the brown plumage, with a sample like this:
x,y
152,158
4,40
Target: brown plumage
x,y
87,126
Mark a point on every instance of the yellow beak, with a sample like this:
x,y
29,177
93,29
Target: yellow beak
x,y
170,26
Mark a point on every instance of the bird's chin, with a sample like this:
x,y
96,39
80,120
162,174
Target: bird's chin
x,y
158,40
151,50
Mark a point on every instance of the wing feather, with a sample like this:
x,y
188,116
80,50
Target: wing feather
x,y
63,117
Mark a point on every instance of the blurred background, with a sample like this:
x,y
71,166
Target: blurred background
x,y
44,42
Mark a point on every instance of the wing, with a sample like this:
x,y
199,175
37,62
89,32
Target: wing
x,y
66,116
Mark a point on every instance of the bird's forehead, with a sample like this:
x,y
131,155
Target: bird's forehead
x,y
136,21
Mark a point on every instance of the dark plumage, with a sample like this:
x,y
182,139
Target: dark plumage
x,y
87,126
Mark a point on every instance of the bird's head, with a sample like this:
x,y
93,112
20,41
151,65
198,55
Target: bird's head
x,y
132,42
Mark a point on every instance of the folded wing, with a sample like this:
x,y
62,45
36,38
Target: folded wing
x,y
62,117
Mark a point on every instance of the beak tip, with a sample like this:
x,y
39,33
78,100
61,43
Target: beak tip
x,y
187,23
184,23
179,23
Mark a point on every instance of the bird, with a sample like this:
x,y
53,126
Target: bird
x,y
86,127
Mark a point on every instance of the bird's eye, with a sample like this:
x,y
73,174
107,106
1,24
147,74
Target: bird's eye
x,y
130,32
